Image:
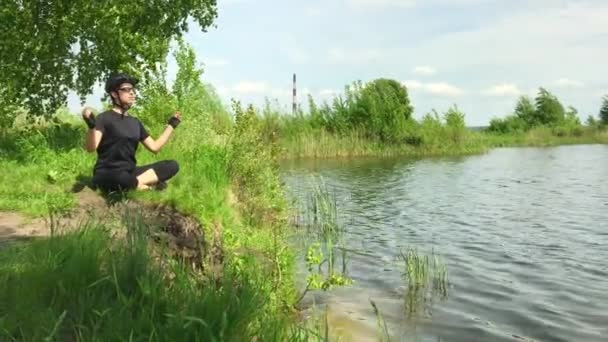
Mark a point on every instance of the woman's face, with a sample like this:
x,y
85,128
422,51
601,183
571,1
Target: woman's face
x,y
126,94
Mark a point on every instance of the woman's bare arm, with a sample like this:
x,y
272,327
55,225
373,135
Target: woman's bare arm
x,y
155,146
92,140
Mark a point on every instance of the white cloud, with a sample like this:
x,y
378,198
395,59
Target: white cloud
x,y
528,40
251,87
297,55
381,4
280,92
435,88
234,2
258,89
216,62
222,90
412,84
343,56
313,11
568,83
424,70
444,89
328,92
291,47
504,89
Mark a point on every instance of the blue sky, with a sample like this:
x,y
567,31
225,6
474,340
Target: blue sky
x,y
478,54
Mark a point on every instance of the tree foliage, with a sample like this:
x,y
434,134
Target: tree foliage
x,y
455,124
525,110
383,107
549,111
604,111
51,47
591,121
545,110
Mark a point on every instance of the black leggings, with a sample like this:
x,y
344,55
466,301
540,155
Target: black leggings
x,y
122,180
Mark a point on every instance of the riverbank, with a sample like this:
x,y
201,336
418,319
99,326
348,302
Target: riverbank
x,y
108,278
321,144
248,292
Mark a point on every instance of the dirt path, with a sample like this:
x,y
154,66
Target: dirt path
x,y
17,227
14,227
182,234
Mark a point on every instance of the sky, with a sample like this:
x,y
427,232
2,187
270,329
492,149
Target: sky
x,y
479,55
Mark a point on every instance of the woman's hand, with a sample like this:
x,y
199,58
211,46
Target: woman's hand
x,y
88,117
93,136
155,146
87,112
175,120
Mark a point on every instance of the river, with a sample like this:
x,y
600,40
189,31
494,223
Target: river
x,y
523,232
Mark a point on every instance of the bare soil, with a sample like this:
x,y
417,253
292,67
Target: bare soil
x,y
181,235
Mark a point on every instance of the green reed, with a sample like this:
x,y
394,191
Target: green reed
x,y
87,284
426,277
324,239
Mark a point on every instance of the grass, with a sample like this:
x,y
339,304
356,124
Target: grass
x,y
46,161
86,285
543,136
426,277
321,212
322,235
321,144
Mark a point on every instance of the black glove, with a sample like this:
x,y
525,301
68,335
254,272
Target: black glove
x,y
173,122
90,121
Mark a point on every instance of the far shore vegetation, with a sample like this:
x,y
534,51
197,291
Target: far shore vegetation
x,y
377,119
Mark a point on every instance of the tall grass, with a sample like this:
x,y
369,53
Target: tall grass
x,y
321,211
323,239
322,144
427,279
544,136
86,285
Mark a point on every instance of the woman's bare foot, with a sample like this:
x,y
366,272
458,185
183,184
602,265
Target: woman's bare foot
x,y
143,187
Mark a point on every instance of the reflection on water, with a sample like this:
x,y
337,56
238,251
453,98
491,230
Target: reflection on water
x,y
524,234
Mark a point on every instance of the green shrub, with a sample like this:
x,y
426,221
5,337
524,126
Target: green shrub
x,y
252,164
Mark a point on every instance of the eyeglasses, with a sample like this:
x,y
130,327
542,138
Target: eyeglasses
x,y
128,89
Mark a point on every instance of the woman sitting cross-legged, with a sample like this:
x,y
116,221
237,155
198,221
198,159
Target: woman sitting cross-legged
x,y
115,135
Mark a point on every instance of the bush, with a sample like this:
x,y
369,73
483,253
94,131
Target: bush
x,y
384,108
455,125
510,124
204,117
252,164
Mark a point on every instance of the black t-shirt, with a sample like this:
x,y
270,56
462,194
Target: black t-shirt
x,y
121,137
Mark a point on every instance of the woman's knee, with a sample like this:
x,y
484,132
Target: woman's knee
x,y
173,166
168,169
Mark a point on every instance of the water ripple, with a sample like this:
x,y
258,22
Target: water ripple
x,y
523,232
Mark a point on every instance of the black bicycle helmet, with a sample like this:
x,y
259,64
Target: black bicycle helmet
x,y
117,79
